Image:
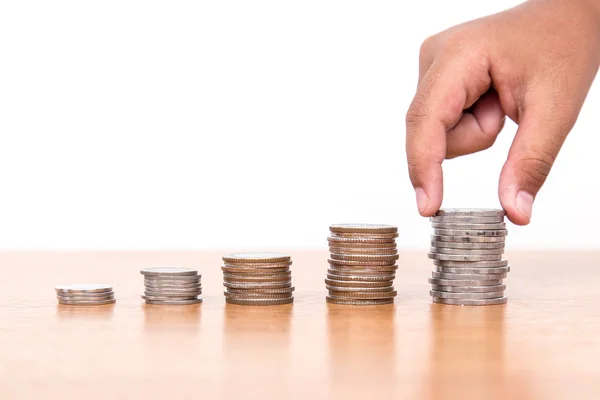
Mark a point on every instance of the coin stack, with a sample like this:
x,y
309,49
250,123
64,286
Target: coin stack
x,y
85,294
362,264
466,248
257,279
172,286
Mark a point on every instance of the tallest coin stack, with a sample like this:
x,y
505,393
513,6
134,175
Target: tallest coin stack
x,y
466,248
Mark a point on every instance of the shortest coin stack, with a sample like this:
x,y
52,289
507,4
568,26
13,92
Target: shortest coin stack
x,y
172,286
362,264
257,279
466,248
85,294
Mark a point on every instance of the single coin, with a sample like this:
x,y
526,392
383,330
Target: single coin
x,y
364,235
461,282
358,302
169,298
258,285
360,272
250,295
466,302
258,265
363,263
150,293
259,302
254,271
443,250
169,271
470,246
365,258
265,274
168,287
256,258
467,296
84,287
74,298
361,241
86,303
469,289
255,279
465,257
359,284
173,302
467,219
471,212
85,295
475,233
471,264
366,251
466,277
363,295
361,278
362,228
262,290
359,289
362,246
468,239
176,279
468,270
499,226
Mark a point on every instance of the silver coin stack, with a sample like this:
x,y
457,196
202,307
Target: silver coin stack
x,y
172,286
466,248
362,264
257,279
85,294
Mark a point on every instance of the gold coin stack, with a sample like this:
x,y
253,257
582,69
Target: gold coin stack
x,y
362,264
257,279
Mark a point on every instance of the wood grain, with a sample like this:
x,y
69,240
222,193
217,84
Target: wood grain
x,y
544,344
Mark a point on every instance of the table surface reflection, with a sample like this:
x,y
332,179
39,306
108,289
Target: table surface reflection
x,y
544,344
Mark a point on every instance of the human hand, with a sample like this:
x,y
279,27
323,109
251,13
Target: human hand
x,y
533,63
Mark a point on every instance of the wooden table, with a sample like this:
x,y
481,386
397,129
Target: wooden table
x,y
544,344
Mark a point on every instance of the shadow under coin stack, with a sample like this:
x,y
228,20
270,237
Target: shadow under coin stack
x,y
85,294
467,247
257,279
172,286
362,264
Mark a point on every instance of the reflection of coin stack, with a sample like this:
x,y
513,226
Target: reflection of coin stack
x,y
466,248
362,264
257,279
171,286
85,294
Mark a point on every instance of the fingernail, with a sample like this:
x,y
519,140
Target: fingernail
x,y
422,199
524,203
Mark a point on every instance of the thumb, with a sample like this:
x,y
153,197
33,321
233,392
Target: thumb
x,y
541,134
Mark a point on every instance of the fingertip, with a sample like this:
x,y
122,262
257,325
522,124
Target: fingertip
x,y
517,204
427,205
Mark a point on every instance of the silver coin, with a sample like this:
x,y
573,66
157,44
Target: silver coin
x,y
360,272
466,302
176,287
168,298
86,295
468,239
362,278
469,289
467,227
168,271
358,302
363,228
469,270
467,296
364,251
265,291
258,285
465,257
84,287
466,219
359,289
195,293
195,281
460,282
466,277
73,297
361,241
259,302
471,212
365,258
471,264
470,246
474,233
471,252
173,302
359,284
86,303
365,264
256,258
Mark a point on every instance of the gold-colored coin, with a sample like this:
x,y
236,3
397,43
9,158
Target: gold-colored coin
x,y
256,258
361,241
364,235
265,291
365,258
363,250
365,264
359,289
359,284
258,285
363,228
253,296
253,271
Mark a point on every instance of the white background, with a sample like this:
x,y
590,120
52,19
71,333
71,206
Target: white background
x,y
239,124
